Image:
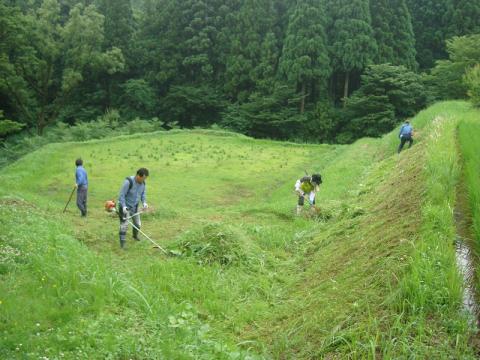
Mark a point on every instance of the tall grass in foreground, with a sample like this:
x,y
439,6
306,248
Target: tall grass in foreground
x,y
60,300
469,133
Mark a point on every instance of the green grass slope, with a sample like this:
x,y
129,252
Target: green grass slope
x,y
374,276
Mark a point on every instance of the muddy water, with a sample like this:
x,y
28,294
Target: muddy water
x,y
466,266
467,260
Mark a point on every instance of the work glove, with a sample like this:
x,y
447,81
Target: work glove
x,y
124,212
145,205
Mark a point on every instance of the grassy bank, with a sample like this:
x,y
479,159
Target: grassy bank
x,y
468,133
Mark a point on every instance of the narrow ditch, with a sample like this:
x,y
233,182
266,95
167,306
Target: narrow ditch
x,y
466,266
465,255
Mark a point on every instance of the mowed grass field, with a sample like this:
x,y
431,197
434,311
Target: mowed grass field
x,y
246,278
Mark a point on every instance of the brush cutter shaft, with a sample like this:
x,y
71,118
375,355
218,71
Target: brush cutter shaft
x,y
69,199
131,216
141,232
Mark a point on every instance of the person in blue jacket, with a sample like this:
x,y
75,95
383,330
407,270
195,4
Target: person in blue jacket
x,y
132,192
81,183
406,134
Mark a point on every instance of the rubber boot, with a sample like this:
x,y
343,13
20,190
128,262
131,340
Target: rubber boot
x,y
135,234
299,209
123,245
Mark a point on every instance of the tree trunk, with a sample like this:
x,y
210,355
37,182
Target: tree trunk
x,y
41,123
345,88
302,102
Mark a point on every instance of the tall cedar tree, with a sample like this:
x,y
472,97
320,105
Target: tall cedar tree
x,y
402,30
393,31
430,26
304,61
200,62
381,17
353,45
119,28
464,17
248,28
159,47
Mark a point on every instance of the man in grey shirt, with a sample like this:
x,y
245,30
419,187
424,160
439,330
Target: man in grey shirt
x,y
132,192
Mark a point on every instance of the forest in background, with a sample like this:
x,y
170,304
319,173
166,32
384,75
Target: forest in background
x,y
307,70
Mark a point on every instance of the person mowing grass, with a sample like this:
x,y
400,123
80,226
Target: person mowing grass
x,y
406,133
132,192
81,183
307,186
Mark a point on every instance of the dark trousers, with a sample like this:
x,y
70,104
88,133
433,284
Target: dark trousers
x,y
82,199
403,140
124,224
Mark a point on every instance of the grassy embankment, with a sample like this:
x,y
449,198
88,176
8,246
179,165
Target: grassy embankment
x,y
469,135
374,276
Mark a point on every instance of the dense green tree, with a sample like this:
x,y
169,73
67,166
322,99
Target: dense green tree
x,y
464,17
8,127
119,24
388,93
193,106
52,62
430,25
157,45
403,44
199,55
138,99
447,76
305,62
381,17
14,96
392,26
266,115
270,68
353,46
119,27
250,24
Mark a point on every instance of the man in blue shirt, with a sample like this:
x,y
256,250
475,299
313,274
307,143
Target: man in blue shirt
x,y
132,192
81,183
406,133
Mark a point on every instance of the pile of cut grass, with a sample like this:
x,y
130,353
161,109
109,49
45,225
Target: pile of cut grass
x,y
217,243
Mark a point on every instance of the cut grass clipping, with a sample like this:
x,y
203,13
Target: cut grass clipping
x,y
217,243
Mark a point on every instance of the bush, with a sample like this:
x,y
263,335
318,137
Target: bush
x,y
448,75
472,80
387,93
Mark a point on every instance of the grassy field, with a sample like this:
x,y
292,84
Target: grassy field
x,y
373,277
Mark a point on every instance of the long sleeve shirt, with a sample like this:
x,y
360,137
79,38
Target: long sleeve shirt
x,y
130,198
405,130
81,177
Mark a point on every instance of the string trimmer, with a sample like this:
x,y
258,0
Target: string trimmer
x,y
110,207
